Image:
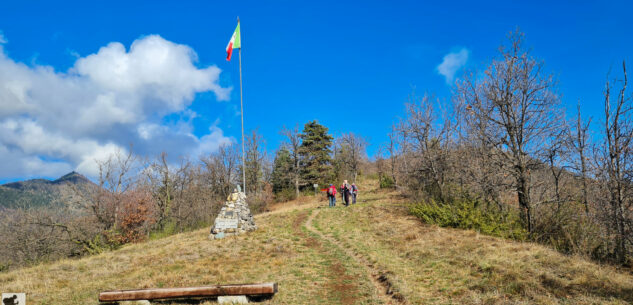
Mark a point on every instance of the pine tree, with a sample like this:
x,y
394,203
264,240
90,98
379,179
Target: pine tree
x,y
282,169
315,153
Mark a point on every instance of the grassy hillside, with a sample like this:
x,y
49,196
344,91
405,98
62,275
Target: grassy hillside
x,y
371,253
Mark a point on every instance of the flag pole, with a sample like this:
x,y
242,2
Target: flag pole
x,y
242,111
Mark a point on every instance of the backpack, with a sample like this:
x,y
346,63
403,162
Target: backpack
x,y
330,191
354,189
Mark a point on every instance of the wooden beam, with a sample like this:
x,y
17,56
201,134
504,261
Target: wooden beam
x,y
188,292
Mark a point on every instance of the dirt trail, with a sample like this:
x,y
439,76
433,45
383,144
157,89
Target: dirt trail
x,y
379,279
295,205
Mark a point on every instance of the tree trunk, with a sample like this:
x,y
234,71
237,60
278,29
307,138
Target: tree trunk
x,y
523,192
584,184
620,247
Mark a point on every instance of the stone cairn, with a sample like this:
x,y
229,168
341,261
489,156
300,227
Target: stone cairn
x,y
234,218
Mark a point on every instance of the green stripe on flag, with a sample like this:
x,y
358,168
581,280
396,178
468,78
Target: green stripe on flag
x,y
237,44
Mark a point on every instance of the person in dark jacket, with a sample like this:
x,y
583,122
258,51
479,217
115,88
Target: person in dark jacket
x,y
342,191
347,190
354,192
331,195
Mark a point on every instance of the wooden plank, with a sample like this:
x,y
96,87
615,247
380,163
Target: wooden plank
x,y
188,292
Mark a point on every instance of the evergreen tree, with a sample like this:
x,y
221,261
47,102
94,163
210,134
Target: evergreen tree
x,y
282,169
315,153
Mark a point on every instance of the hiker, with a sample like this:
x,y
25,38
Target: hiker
x,y
342,191
346,192
331,195
354,193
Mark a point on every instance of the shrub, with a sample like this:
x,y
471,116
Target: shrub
x,y
258,202
285,195
100,243
466,213
387,182
136,216
169,228
569,230
4,267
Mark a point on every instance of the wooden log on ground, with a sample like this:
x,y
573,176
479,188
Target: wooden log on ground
x,y
262,289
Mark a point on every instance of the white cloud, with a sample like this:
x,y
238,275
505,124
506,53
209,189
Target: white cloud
x,y
17,165
451,63
52,122
153,67
88,165
2,39
212,141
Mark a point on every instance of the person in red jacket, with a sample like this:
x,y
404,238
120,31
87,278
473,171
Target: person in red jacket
x,y
331,195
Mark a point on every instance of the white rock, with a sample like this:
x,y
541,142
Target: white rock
x,y
233,299
139,302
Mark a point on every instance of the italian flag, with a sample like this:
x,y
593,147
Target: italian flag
x,y
235,42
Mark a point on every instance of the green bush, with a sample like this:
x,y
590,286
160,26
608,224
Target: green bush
x,y
466,213
170,227
100,243
387,182
285,195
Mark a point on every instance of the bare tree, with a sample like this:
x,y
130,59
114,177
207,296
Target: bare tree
x,y
555,154
186,193
221,170
293,138
579,143
392,149
34,235
617,165
162,185
479,164
379,162
353,152
255,159
516,101
117,174
426,131
197,198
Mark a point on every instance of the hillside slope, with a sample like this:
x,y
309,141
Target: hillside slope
x,y
370,253
41,192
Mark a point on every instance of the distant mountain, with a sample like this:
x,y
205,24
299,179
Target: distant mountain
x,y
67,190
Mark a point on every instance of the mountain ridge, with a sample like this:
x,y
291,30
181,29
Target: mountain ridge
x,y
40,192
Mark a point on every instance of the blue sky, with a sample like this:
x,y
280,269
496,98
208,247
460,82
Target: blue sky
x,y
350,65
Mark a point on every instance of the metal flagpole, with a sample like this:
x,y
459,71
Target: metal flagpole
x,y
242,111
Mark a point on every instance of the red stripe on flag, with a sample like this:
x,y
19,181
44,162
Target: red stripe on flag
x,y
229,51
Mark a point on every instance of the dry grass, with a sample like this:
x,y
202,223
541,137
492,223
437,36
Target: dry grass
x,y
424,264
431,265
281,251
